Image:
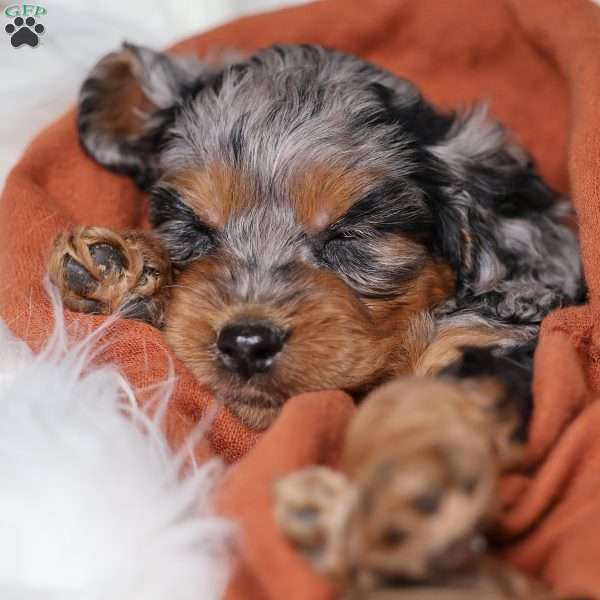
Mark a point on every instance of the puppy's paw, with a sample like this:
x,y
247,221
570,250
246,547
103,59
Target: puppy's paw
x,y
311,507
420,455
100,271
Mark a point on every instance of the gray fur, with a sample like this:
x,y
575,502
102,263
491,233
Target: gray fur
x,y
446,182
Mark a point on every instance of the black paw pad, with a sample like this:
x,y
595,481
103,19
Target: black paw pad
x,y
24,32
107,257
77,277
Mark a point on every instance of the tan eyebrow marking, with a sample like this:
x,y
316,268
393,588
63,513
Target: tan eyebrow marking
x,y
215,192
320,196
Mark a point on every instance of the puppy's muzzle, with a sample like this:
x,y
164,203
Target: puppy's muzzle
x,y
249,348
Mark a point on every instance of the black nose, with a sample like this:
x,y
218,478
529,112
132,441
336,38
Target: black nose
x,y
250,348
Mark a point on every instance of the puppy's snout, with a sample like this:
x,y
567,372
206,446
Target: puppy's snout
x,y
246,349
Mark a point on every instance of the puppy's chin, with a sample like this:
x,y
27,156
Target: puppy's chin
x,y
255,408
255,417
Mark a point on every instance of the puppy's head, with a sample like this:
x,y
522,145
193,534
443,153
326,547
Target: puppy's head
x,y
298,194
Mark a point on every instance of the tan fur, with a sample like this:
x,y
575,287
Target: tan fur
x,y
413,497
367,338
218,191
435,282
147,271
407,409
434,439
323,317
395,318
122,116
446,347
215,193
423,455
321,196
325,320
322,499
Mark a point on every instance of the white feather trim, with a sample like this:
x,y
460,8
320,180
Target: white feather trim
x,y
92,502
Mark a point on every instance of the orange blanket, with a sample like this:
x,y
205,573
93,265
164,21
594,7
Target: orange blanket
x,y
538,64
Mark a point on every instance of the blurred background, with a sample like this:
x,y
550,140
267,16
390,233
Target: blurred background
x,y
38,84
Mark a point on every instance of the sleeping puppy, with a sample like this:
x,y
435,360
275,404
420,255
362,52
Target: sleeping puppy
x,y
316,224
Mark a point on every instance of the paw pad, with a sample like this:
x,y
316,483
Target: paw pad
x,y
100,271
24,31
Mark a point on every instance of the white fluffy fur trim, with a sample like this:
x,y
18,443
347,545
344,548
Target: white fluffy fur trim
x,y
92,502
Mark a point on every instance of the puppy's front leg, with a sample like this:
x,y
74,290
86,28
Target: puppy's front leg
x,y
101,271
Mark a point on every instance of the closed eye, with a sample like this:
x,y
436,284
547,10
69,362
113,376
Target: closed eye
x,y
394,206
185,236
346,235
375,265
185,241
335,235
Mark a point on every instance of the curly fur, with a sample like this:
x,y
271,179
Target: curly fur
x,y
291,106
316,191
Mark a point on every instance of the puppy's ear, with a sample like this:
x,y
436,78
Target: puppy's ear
x,y
475,176
497,223
125,105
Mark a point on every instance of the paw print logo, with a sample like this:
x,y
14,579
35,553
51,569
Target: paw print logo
x,y
24,31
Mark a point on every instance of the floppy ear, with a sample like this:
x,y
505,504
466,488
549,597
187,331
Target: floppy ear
x,y
497,223
479,177
127,102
